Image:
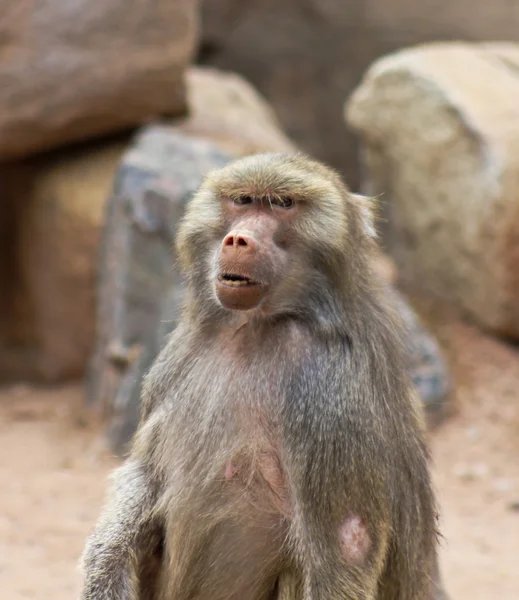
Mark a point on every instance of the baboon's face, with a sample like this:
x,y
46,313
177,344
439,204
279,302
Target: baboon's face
x,y
253,256
270,233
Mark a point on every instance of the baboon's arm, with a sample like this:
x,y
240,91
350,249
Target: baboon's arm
x,y
127,525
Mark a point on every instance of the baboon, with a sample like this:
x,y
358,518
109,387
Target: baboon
x,y
279,454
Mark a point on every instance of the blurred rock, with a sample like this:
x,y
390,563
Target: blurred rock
x,y
306,57
439,126
427,366
50,329
229,111
59,240
70,71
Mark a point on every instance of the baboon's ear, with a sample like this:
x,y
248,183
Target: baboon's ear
x,y
368,208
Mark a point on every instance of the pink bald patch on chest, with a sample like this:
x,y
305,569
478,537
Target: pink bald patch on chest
x,y
354,539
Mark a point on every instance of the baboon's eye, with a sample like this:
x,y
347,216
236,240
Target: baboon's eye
x,y
285,202
242,200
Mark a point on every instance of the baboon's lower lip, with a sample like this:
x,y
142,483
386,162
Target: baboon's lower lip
x,y
239,292
236,280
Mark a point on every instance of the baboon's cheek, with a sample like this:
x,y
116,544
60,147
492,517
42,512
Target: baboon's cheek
x,y
354,539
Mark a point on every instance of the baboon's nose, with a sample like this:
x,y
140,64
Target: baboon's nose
x,y
237,240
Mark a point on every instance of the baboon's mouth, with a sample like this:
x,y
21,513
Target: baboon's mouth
x,y
235,280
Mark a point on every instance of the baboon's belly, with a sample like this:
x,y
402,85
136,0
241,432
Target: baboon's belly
x,y
227,542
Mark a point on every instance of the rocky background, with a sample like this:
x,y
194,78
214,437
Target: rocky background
x,y
307,56
112,112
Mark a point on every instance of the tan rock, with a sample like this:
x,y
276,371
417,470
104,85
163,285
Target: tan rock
x,y
226,109
70,71
439,126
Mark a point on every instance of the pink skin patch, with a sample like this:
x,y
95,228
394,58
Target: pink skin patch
x,y
269,470
230,470
354,539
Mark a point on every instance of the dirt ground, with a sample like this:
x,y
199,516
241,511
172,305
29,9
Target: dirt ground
x,y
53,474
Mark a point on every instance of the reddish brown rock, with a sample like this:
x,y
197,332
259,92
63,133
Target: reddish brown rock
x,y
75,70
54,248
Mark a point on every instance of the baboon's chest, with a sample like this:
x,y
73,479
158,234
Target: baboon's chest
x,y
253,464
261,478
229,426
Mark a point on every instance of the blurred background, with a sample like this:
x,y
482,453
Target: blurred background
x,y
112,111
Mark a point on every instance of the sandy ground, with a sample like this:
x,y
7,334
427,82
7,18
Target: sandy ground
x,y
53,475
